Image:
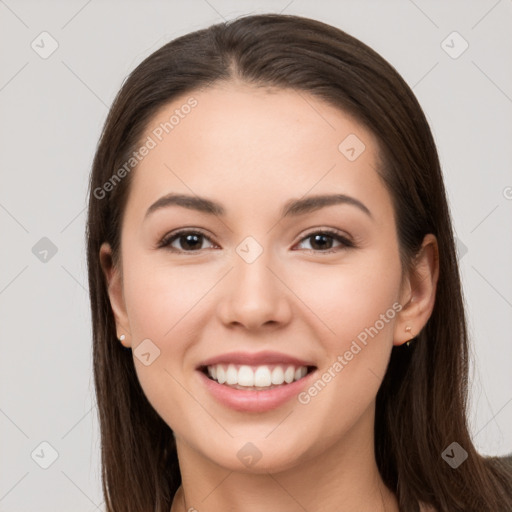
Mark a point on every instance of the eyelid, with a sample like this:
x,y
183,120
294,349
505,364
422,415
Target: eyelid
x,y
326,231
165,241
345,239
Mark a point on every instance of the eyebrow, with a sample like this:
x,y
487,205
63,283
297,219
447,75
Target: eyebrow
x,y
292,208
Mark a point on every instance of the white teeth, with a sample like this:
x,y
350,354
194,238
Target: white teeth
x,y
256,376
231,375
221,374
289,374
262,377
300,372
277,375
245,376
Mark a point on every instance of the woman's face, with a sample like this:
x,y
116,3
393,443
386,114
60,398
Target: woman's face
x,y
258,286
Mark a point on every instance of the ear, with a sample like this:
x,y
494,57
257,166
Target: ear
x,y
115,293
419,292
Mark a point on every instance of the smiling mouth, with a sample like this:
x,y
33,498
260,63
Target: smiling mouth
x,y
256,378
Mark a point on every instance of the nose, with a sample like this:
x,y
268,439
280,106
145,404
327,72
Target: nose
x,y
254,295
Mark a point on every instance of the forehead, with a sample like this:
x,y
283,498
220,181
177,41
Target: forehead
x,y
251,146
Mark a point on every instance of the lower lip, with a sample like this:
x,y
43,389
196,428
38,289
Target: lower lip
x,y
253,400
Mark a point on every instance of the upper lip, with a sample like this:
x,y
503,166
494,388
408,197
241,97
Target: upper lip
x,y
255,359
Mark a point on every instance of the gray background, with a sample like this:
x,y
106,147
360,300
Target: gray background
x,y
52,110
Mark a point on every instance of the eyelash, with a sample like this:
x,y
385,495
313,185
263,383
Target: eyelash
x,y
348,244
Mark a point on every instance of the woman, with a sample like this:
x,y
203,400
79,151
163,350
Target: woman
x,y
277,312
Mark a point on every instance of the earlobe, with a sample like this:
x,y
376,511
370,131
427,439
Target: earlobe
x,y
420,298
115,293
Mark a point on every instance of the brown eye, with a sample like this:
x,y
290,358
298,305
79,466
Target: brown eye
x,y
322,241
192,241
184,241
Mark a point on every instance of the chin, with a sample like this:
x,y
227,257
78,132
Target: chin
x,y
260,456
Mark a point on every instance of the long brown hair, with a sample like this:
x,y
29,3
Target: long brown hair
x,y
421,404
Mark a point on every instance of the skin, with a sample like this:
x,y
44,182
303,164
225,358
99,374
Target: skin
x,y
252,149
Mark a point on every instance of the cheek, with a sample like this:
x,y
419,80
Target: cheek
x,y
161,302
161,298
357,305
356,355
352,297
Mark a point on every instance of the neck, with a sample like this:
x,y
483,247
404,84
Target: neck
x,y
342,477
